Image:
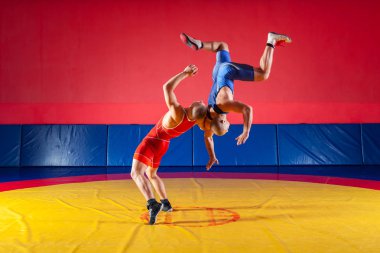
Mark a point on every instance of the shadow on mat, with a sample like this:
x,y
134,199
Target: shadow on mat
x,y
211,216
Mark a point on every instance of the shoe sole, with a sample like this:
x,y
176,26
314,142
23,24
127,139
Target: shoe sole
x,y
152,222
186,40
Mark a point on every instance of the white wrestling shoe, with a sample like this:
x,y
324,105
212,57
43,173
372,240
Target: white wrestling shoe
x,y
276,39
191,42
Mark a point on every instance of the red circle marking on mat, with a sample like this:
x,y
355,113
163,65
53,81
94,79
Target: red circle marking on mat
x,y
205,217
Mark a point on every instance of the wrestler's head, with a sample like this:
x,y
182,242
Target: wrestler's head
x,y
198,109
220,125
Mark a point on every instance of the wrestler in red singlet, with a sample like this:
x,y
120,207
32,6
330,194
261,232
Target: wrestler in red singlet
x,y
156,142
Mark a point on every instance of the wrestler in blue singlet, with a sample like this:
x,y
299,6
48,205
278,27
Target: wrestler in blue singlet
x,y
224,74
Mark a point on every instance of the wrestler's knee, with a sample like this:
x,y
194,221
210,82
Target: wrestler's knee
x,y
266,75
151,173
223,46
137,169
134,174
261,75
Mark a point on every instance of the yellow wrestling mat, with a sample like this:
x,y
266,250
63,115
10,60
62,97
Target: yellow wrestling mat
x,y
211,215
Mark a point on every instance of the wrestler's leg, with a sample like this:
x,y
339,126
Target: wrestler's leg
x,y
196,44
159,186
215,46
274,39
137,173
266,60
156,181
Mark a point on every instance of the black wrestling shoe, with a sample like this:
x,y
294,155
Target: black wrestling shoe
x,y
167,207
154,209
191,42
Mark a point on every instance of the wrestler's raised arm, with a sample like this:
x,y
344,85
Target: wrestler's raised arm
x,y
169,87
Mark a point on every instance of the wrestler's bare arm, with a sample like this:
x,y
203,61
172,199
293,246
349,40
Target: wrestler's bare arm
x,y
169,87
246,110
209,143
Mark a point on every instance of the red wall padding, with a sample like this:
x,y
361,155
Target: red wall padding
x,y
105,61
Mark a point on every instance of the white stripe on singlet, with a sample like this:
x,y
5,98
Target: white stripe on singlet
x,y
157,138
145,157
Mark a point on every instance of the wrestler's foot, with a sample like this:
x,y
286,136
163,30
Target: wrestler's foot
x,y
276,39
154,209
166,205
191,42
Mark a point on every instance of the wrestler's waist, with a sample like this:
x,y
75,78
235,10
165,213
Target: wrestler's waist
x,y
163,135
155,138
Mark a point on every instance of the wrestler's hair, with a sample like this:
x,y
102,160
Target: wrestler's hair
x,y
218,127
198,110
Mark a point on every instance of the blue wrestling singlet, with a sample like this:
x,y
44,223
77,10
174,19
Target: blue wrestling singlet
x,y
224,74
